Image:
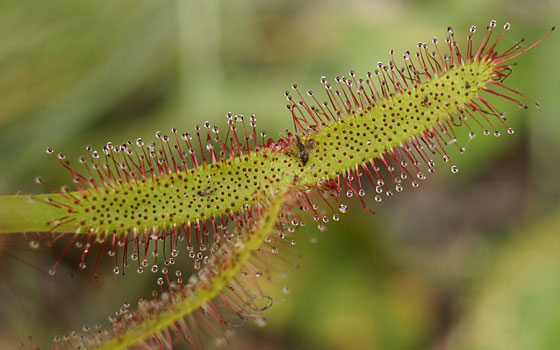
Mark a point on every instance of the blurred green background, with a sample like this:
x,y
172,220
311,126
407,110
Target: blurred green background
x,y
467,261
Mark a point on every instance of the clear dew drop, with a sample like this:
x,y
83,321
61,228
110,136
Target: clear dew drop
x,y
34,244
116,270
325,219
378,198
260,322
472,135
399,188
160,281
361,193
335,217
378,189
154,268
510,131
322,227
140,269
497,133
454,169
342,208
52,272
349,193
174,253
486,132
82,265
286,290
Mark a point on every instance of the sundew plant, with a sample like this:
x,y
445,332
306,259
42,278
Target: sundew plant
x,y
232,198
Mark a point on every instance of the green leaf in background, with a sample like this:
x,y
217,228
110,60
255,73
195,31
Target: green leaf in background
x,y
515,305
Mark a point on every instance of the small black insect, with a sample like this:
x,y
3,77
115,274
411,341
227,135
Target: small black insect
x,y
304,149
467,85
207,191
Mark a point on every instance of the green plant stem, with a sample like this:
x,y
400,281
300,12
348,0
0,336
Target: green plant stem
x,y
320,154
24,213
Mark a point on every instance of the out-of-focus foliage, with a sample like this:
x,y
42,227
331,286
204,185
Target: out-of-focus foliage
x,y
516,304
443,265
